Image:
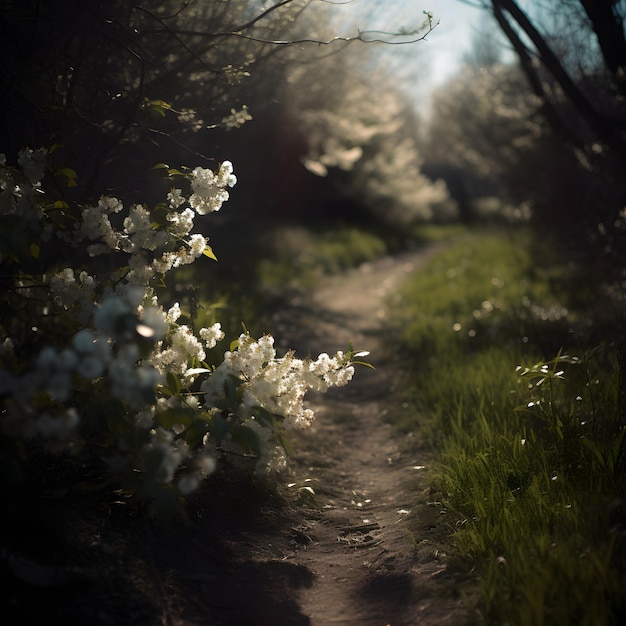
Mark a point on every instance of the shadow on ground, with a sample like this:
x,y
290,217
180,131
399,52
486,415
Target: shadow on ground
x,y
224,567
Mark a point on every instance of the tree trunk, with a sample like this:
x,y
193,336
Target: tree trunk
x,y
609,28
608,130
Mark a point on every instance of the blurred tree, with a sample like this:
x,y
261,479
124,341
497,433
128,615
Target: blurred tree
x,y
486,49
550,131
457,117
583,102
360,133
125,84
485,137
600,111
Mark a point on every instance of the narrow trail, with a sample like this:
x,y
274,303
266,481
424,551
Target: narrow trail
x,y
249,558
367,568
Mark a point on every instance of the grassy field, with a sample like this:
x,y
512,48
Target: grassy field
x,y
518,390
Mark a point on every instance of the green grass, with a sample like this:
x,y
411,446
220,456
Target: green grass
x,y
256,270
297,255
531,462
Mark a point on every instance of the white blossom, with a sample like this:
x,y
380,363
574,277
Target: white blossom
x,y
278,385
181,223
236,119
211,335
123,344
208,188
183,347
173,313
175,198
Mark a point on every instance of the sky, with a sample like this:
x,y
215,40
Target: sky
x,y
444,47
426,64
440,56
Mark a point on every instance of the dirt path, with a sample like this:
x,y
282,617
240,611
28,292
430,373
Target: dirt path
x,y
367,568
253,557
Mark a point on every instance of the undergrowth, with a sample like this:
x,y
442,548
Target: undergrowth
x,y
522,400
285,257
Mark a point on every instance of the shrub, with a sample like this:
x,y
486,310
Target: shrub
x,y
96,370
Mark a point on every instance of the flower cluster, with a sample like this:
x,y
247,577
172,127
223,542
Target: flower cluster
x,y
208,188
114,373
277,385
267,388
236,119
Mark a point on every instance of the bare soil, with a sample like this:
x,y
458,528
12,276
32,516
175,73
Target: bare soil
x,y
366,550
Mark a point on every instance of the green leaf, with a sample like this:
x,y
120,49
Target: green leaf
x,y
219,426
34,250
159,215
171,417
287,447
68,172
364,363
195,433
264,417
173,382
247,439
175,172
158,106
208,251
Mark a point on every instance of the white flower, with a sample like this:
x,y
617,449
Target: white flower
x,y
69,293
169,457
236,119
186,115
95,224
184,347
181,223
212,335
138,227
278,385
173,313
197,244
175,198
225,176
213,386
208,188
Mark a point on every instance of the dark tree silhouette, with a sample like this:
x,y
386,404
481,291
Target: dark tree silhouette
x,y
579,77
599,113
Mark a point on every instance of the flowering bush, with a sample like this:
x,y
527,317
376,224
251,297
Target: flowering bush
x,y
92,365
